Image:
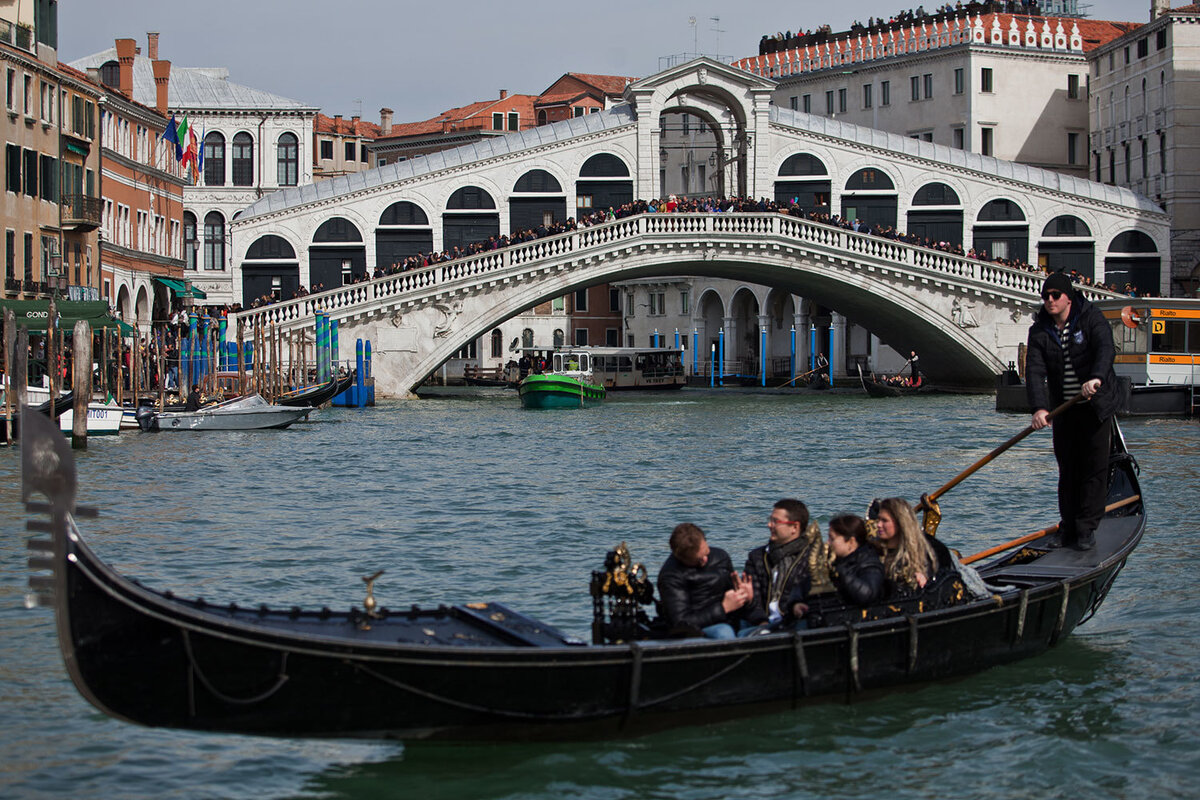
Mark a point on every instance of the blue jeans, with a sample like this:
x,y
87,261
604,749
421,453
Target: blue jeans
x,y
721,630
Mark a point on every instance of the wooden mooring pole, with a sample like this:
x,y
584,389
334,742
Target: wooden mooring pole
x,y
81,350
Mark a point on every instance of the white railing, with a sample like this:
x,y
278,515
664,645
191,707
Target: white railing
x,y
525,260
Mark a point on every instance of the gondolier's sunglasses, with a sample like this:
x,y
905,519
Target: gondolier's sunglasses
x,y
1051,295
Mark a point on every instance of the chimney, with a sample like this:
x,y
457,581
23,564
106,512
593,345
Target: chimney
x,y
1159,8
152,45
337,123
385,121
162,81
503,93
354,121
126,50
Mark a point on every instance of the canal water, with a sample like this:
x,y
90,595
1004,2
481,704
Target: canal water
x,y
473,498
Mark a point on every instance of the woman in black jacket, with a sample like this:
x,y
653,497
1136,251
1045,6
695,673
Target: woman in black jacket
x,y
857,572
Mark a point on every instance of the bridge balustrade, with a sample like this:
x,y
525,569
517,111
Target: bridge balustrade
x,y
527,258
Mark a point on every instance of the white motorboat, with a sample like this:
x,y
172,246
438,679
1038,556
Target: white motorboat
x,y
103,418
246,413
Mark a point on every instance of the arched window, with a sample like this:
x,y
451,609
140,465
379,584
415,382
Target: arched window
x,y
1143,96
403,213
559,338
189,240
288,160
1132,242
803,164
869,178
935,194
271,248
337,229
1001,211
470,197
214,241
1066,225
497,344
243,159
541,117
110,74
527,337
604,165
538,181
214,160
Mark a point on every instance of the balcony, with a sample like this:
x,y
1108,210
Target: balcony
x,y
81,212
20,36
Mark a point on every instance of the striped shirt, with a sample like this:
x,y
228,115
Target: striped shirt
x,y
1071,385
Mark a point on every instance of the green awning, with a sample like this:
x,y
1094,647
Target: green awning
x,y
33,314
181,289
74,148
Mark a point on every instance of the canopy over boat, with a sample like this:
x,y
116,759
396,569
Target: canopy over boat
x,y
484,671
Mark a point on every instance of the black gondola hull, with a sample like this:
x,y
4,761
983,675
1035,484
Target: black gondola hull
x,y
483,671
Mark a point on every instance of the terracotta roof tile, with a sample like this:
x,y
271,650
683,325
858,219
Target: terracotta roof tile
x,y
346,127
469,117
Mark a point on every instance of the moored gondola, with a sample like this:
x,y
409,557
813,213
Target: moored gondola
x,y
312,396
483,671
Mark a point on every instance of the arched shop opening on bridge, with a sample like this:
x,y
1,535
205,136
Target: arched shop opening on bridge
x,y
403,231
870,198
1132,258
1001,231
1067,244
604,183
537,199
804,180
270,268
936,214
337,255
470,217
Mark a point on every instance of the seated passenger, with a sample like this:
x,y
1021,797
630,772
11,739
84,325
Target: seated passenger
x,y
910,558
857,570
780,567
698,588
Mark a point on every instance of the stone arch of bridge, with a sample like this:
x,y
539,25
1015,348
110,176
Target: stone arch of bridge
x,y
904,318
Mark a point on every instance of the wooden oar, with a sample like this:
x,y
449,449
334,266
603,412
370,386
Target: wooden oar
x,y
798,377
1029,537
932,498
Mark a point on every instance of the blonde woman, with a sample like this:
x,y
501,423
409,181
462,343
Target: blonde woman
x,y
910,558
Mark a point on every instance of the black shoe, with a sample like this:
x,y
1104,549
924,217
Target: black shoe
x,y
1086,541
1053,541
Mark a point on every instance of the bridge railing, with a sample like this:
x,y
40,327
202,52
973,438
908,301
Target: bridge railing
x,y
527,257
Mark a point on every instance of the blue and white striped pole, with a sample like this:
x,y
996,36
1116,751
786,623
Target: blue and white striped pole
x,y
792,355
695,351
762,354
831,359
721,354
812,347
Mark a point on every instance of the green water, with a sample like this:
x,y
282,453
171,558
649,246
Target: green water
x,y
467,499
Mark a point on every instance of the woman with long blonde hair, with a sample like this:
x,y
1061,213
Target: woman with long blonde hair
x,y
909,559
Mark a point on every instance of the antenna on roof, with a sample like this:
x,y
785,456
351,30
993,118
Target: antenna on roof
x,y
358,104
717,28
695,39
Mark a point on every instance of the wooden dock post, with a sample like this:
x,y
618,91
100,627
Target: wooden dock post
x,y
10,342
81,350
52,357
241,357
18,379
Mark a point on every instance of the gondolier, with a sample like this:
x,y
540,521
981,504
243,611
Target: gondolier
x,y
1071,352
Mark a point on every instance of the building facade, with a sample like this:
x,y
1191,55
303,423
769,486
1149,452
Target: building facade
x,y
51,207
343,147
251,143
141,242
1145,119
1003,85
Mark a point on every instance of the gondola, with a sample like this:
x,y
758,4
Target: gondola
x,y
876,388
312,396
481,671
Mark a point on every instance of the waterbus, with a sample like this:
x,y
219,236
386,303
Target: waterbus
x,y
1158,350
637,368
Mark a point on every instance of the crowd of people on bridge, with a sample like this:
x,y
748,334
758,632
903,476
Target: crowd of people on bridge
x,y
674,204
788,40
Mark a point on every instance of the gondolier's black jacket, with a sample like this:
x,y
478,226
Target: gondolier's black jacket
x,y
1091,351
691,597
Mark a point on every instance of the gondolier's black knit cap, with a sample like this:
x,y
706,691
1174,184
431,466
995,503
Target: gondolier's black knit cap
x,y
1058,281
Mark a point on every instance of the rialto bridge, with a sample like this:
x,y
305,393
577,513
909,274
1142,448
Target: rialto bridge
x,y
964,315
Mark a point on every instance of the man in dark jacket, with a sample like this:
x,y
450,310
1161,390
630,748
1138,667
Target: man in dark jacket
x,y
698,588
781,565
1070,353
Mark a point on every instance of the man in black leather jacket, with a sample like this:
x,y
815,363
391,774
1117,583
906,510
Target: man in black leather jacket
x,y
699,591
1071,352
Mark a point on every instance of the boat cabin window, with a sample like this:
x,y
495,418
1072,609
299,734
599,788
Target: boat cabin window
x,y
572,362
1130,341
1174,336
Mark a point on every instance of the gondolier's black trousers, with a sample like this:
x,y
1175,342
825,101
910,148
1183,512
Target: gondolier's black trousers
x,y
1081,446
